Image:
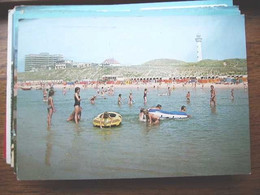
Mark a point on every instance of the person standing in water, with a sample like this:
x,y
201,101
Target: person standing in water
x,y
92,100
188,96
212,96
142,116
130,99
151,118
169,91
64,91
76,114
232,94
145,96
50,107
77,104
119,100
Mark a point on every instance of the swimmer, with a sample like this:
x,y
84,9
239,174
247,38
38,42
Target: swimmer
x,y
183,109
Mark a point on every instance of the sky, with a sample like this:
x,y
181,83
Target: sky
x,y
133,40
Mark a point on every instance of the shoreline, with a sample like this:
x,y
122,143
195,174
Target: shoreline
x,y
142,86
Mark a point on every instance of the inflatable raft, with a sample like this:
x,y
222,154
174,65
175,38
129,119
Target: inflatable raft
x,y
114,120
26,88
169,114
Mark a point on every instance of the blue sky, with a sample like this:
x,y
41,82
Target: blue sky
x,y
133,40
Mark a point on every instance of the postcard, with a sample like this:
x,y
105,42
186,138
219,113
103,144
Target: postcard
x,y
7,148
130,96
149,9
211,7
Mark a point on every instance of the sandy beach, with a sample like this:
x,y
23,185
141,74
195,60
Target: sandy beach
x,y
136,86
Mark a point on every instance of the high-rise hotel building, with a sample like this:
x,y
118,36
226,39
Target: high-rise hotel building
x,y
42,61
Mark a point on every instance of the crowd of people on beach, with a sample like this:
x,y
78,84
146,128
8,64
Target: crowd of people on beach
x,y
144,114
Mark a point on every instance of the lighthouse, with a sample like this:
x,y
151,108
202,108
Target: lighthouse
x,y
198,40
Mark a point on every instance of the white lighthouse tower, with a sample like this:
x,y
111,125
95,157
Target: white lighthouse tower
x,y
198,40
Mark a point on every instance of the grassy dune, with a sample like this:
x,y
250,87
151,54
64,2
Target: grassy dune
x,y
158,67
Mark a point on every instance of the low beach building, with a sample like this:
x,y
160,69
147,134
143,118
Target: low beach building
x,y
80,65
110,62
112,78
60,65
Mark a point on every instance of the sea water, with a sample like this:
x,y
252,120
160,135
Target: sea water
x,y
214,141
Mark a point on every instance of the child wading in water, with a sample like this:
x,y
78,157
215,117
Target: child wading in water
x,y
104,116
50,107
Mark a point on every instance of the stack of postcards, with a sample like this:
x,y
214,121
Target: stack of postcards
x,y
127,91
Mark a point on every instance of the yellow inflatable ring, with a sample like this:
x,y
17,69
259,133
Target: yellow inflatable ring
x,y
114,120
